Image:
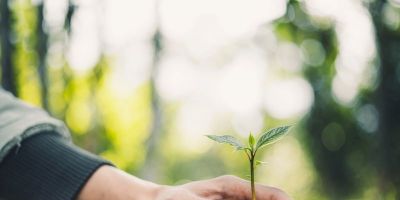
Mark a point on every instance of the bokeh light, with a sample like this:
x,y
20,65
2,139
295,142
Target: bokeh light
x,y
142,82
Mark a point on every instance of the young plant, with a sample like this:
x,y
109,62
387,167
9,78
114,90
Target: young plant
x,y
253,146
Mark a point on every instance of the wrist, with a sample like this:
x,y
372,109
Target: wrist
x,y
109,183
142,190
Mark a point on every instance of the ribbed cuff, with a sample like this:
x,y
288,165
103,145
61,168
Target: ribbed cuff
x,y
46,166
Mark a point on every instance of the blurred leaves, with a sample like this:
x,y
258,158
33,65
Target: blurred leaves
x,y
350,149
227,139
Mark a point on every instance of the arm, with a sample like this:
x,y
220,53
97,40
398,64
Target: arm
x,y
109,183
47,167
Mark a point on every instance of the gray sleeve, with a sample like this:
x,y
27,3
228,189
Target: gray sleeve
x,y
46,167
19,120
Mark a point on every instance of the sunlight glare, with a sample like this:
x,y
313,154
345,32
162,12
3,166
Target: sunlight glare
x,y
84,46
288,98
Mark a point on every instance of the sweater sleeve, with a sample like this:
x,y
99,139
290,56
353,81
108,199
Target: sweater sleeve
x,y
45,166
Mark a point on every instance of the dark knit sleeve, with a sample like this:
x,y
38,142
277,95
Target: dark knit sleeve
x,y
45,166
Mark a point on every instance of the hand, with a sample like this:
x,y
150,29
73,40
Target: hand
x,y
109,183
221,188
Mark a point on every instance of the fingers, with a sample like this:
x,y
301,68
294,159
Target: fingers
x,y
188,196
227,187
236,188
270,193
178,193
205,188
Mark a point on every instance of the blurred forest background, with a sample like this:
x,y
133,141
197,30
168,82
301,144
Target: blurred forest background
x,y
141,82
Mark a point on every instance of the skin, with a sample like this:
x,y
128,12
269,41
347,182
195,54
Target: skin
x,y
109,183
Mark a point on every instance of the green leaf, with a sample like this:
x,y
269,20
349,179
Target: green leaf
x,y
227,139
258,162
251,141
272,136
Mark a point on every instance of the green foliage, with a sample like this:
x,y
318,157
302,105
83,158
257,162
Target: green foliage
x,y
251,141
265,139
272,136
227,139
258,162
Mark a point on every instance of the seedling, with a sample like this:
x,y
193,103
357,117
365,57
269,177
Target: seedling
x,y
253,146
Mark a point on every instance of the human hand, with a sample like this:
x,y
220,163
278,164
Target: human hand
x,y
109,183
220,188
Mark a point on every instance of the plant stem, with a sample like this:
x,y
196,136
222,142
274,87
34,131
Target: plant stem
x,y
253,190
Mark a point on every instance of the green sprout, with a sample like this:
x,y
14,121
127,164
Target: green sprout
x,y
254,145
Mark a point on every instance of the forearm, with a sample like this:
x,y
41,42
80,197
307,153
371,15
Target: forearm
x,y
109,183
46,166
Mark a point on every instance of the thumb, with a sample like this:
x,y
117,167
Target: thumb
x,y
270,193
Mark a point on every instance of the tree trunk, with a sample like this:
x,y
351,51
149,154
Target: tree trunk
x,y
42,39
68,18
151,169
388,101
336,175
8,79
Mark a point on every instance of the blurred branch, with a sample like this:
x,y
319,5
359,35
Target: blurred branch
x,y
67,73
68,18
42,41
150,169
8,78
